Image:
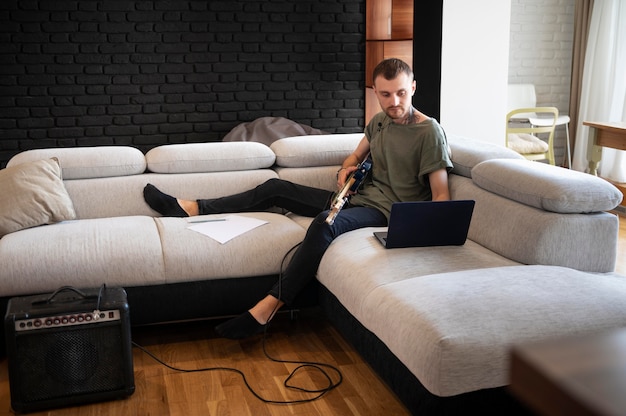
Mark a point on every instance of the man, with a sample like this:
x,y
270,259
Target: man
x,y
410,162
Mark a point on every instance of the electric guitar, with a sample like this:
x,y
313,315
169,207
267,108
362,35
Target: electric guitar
x,y
354,181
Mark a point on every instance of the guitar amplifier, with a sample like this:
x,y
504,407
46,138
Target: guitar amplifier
x,y
67,348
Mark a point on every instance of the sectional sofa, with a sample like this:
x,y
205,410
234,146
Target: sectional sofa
x,y
437,323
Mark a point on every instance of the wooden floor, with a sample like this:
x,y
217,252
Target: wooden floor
x,y
162,391
621,246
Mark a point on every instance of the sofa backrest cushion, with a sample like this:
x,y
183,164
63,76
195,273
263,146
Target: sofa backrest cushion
x,y
467,153
85,163
546,187
318,150
322,177
209,157
123,196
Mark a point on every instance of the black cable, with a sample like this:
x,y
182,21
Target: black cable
x,y
245,380
102,289
302,365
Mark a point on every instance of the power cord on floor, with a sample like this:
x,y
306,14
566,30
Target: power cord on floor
x,y
302,365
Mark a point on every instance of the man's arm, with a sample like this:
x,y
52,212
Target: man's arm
x,y
349,164
439,185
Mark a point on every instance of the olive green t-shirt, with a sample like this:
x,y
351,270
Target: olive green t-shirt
x,y
402,157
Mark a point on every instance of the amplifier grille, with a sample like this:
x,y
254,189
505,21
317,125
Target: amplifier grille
x,y
74,361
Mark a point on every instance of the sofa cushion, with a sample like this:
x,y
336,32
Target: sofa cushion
x,y
209,157
454,331
351,278
467,153
123,196
319,150
90,162
33,194
546,187
123,251
450,314
191,256
322,177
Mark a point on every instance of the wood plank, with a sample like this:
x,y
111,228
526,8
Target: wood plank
x,y
161,391
609,134
401,49
572,376
375,53
402,19
371,105
378,19
621,247
615,140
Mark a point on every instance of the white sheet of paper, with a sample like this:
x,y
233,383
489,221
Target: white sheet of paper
x,y
224,231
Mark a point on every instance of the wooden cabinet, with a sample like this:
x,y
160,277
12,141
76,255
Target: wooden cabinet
x,y
388,19
388,34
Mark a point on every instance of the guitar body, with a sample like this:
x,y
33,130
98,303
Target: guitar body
x,y
353,183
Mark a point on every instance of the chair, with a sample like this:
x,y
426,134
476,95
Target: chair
x,y
523,96
523,137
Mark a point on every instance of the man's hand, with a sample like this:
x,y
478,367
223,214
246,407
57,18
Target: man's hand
x,y
343,175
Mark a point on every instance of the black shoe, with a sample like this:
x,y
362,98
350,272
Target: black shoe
x,y
243,326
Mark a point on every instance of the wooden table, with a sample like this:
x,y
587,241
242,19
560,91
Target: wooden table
x,y
576,376
612,134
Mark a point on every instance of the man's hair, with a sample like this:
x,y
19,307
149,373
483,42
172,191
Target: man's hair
x,y
391,68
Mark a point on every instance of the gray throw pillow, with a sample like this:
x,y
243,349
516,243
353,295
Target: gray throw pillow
x,y
33,194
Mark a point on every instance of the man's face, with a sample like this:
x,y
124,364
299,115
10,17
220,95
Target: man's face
x,y
394,96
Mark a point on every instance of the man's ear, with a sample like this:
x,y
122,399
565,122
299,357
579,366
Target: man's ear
x,y
413,87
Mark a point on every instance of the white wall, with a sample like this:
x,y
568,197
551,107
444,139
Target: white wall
x,y
475,66
542,33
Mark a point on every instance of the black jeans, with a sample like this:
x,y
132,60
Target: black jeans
x,y
301,200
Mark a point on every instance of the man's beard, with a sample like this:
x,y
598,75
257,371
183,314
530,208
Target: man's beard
x,y
397,113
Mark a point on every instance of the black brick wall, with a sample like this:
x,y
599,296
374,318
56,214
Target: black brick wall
x,y
151,72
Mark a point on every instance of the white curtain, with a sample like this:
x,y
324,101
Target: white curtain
x,y
603,95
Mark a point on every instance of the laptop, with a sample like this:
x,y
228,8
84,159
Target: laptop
x,y
427,223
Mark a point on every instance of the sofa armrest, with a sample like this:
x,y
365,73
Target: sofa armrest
x,y
546,187
530,235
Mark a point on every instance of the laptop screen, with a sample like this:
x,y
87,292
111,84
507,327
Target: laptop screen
x,y
428,223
